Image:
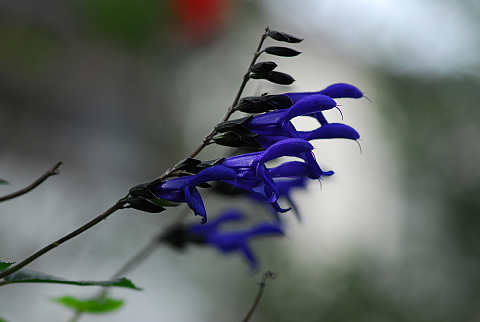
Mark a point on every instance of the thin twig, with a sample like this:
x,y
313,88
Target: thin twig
x,y
51,172
263,283
148,249
141,256
246,77
119,205
136,260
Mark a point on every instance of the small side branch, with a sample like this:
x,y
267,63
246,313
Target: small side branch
x,y
263,283
51,172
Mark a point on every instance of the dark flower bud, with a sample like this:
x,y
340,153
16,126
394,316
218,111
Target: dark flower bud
x,y
210,163
235,140
188,164
274,77
281,36
141,190
282,51
264,66
233,125
260,104
144,204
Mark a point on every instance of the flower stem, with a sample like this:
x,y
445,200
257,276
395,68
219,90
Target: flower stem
x,y
263,283
246,77
119,205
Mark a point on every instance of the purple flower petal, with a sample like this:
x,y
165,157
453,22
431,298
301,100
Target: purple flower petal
x,y
310,104
331,131
340,90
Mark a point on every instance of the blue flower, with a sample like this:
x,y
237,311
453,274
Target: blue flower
x,y
184,189
275,132
274,126
254,176
340,90
285,187
330,131
227,242
246,171
268,128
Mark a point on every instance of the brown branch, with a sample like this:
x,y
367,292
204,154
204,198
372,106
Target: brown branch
x,y
51,172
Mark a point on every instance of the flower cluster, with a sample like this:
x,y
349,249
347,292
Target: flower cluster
x,y
267,134
271,132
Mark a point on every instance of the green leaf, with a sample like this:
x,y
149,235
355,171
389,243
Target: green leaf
x,y
3,320
5,265
27,276
102,305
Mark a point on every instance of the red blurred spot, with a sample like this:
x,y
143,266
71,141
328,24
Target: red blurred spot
x,y
202,20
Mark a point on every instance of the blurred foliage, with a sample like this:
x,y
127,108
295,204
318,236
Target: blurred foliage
x,y
26,47
133,23
436,123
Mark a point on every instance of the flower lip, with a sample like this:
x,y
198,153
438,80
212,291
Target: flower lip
x,y
184,189
339,90
331,131
310,104
287,147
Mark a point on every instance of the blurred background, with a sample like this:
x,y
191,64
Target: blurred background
x,y
120,90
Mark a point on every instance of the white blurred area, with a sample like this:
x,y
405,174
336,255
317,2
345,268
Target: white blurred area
x,y
419,37
359,209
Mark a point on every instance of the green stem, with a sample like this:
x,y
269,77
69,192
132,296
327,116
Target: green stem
x,y
263,283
